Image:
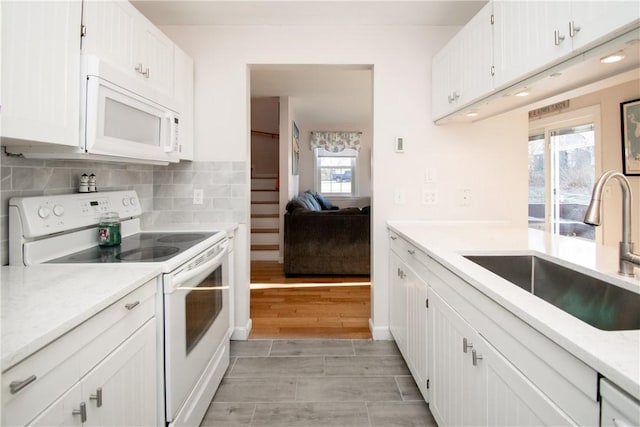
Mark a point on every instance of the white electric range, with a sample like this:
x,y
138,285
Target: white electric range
x,y
62,229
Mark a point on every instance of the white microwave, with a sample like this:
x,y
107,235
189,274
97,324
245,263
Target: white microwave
x,y
119,121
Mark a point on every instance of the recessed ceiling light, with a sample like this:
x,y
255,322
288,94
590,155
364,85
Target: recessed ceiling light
x,y
555,75
523,92
615,57
472,114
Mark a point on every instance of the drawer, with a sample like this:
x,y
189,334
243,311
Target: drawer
x,y
407,251
61,364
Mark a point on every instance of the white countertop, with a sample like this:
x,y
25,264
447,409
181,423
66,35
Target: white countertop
x,y
42,302
614,354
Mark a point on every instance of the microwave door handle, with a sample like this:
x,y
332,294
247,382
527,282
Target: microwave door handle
x,y
169,144
188,275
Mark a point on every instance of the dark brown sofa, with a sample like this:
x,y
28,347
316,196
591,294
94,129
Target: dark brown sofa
x,y
325,241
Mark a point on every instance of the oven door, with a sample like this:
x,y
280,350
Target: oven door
x,y
196,304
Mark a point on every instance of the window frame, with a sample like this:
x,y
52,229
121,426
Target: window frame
x,y
546,126
317,170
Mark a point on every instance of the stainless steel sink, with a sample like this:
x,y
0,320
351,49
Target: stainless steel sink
x,y
594,301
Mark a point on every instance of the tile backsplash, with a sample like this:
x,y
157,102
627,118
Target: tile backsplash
x,y
166,192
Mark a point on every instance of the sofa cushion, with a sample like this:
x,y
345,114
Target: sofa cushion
x,y
324,203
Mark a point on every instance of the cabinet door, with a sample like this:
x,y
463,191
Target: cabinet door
x,y
60,413
457,387
525,37
110,28
596,19
512,400
476,44
183,92
417,329
446,76
121,390
156,56
41,71
398,302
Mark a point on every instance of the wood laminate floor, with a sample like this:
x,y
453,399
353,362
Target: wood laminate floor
x,y
308,306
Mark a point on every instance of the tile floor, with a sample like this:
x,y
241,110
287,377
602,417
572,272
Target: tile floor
x,y
322,383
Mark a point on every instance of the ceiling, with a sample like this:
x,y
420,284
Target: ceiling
x,y
329,95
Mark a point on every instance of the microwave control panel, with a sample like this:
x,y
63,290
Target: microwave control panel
x,y
43,215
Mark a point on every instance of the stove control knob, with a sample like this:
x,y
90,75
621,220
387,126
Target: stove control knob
x,y
58,210
125,202
43,212
133,201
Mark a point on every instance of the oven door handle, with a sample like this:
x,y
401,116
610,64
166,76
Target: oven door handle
x,y
188,275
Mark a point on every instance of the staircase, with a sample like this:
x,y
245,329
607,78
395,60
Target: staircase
x,y
265,219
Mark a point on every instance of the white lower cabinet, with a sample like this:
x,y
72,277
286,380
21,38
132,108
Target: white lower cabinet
x,y
408,314
472,384
103,372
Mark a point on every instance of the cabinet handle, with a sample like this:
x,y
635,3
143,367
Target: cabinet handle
x,y
138,68
82,412
131,305
97,397
16,386
573,29
393,237
557,38
411,251
146,73
466,345
475,357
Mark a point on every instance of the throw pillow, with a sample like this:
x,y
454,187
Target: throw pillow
x,y
325,204
310,198
295,204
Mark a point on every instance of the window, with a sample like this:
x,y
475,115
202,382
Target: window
x,y
335,172
562,171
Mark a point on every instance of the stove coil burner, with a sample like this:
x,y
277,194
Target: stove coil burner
x,y
180,238
148,254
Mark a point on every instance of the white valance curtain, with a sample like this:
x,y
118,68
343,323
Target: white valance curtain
x,y
335,141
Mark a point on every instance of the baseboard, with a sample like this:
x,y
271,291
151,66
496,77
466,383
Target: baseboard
x,y
241,333
379,333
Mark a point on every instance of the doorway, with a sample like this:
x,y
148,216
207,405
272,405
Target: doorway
x,y
311,98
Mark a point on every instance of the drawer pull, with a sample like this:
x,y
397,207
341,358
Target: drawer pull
x,y
475,357
411,251
16,386
97,397
82,412
131,305
466,345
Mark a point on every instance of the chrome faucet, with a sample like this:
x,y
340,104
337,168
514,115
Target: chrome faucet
x,y
592,216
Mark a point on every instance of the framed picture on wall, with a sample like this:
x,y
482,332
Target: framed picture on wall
x,y
630,123
296,149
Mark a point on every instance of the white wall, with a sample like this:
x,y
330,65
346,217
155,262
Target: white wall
x,y
489,158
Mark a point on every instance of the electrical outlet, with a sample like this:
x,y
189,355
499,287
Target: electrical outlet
x,y
429,197
198,196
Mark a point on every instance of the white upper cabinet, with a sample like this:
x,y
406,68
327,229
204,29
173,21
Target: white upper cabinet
x,y
119,34
528,35
595,20
40,71
461,71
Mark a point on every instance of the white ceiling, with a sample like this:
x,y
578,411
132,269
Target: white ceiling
x,y
329,95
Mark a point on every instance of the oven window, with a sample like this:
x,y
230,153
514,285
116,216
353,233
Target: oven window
x,y
202,306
